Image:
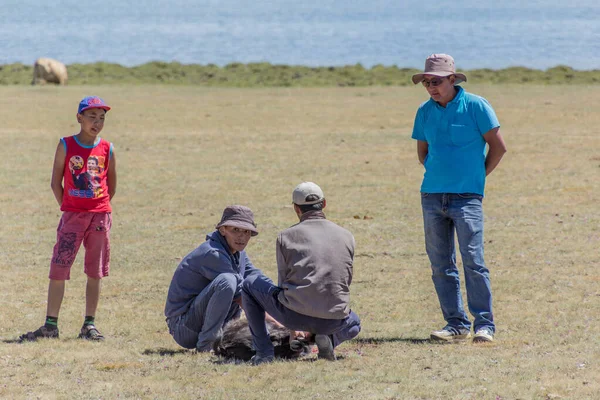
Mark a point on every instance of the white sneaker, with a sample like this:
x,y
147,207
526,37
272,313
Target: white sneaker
x,y
483,335
449,334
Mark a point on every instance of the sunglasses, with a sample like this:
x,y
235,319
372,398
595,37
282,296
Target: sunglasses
x,y
433,82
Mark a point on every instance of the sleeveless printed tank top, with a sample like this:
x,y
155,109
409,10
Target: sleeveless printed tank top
x,y
85,176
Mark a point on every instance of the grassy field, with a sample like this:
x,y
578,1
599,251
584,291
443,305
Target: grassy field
x,y
270,75
184,153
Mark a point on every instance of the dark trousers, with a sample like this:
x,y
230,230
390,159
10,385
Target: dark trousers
x,y
260,296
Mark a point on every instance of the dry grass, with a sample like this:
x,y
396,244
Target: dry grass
x,y
184,153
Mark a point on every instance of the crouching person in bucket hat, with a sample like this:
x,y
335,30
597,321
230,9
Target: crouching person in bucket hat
x,y
459,144
314,263
205,292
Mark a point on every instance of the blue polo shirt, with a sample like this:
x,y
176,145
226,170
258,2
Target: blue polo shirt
x,y
455,162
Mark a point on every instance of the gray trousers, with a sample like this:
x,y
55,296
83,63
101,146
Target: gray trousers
x,y
213,307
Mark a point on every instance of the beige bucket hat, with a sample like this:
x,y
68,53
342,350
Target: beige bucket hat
x,y
439,65
240,217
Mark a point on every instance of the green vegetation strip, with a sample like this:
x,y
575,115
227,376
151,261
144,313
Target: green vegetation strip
x,y
268,75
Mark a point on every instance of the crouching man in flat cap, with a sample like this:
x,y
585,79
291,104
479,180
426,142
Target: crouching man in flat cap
x,y
205,291
314,263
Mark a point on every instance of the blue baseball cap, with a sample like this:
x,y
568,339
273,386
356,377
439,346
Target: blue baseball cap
x,y
92,102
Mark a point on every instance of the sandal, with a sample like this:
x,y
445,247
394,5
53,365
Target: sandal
x,y
89,332
41,333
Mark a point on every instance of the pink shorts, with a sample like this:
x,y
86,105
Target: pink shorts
x,y
93,230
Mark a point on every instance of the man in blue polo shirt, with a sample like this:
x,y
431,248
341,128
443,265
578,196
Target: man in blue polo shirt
x,y
452,130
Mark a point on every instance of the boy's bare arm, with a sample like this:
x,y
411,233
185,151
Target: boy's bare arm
x,y
112,176
58,170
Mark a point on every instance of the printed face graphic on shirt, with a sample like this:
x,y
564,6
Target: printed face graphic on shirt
x,y
76,163
93,165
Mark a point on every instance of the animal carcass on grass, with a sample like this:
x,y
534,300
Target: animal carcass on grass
x,y
236,342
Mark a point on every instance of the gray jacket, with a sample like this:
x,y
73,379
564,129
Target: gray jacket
x,y
314,261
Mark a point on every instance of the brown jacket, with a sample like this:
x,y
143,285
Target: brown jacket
x,y
314,262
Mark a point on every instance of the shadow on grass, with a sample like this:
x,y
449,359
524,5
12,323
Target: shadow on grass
x,y
225,361
378,341
304,359
61,340
11,341
375,340
162,351
43,340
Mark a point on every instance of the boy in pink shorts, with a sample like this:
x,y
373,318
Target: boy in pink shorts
x,y
84,180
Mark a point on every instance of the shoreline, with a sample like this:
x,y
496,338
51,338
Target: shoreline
x,y
273,75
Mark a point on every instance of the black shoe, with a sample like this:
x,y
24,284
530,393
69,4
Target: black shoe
x,y
89,332
257,360
325,346
41,333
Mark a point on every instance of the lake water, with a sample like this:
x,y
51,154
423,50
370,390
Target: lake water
x,y
478,33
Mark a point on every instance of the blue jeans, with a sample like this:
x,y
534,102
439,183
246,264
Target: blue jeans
x,y
260,296
443,215
199,327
